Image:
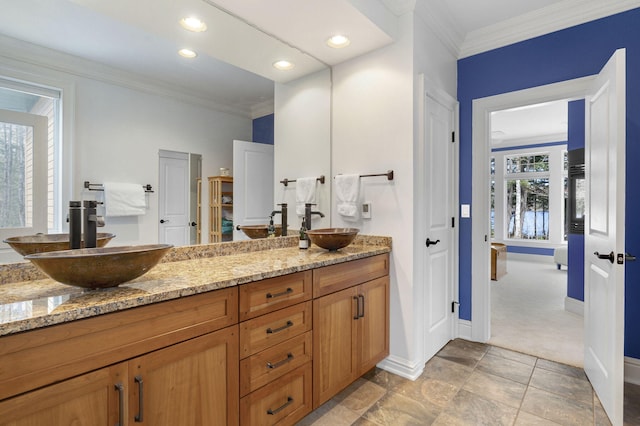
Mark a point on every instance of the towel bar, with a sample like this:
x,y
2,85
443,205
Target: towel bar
x,y
99,187
389,175
286,181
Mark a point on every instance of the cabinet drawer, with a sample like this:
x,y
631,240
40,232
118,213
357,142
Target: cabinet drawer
x,y
330,279
268,330
263,367
274,293
284,401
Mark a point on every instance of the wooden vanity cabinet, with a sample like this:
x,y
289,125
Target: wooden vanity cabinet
x,y
276,350
350,323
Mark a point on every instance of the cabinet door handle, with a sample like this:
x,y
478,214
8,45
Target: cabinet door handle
x,y
284,327
357,315
283,293
139,416
281,362
282,407
360,298
120,389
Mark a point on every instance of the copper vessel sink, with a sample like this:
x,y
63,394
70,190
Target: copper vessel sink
x,y
41,243
99,267
332,239
259,231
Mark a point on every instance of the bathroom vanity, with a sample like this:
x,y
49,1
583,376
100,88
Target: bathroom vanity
x,y
256,338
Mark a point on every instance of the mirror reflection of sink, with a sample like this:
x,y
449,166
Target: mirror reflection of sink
x,y
41,243
332,239
259,231
99,267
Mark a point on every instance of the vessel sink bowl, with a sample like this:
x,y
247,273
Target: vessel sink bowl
x,y
259,231
332,239
99,267
41,243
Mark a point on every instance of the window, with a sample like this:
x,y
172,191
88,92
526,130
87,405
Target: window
x,y
528,193
29,149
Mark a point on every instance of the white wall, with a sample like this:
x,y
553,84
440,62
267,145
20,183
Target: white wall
x,y
302,142
115,125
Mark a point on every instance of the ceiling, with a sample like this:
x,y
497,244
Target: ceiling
x,y
243,39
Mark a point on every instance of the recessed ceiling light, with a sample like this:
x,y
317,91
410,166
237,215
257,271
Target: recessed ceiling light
x,y
187,53
283,65
338,41
193,24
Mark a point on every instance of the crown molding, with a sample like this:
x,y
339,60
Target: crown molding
x,y
439,19
400,7
558,16
34,55
263,108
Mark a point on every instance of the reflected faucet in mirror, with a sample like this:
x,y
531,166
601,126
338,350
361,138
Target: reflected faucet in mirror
x,y
308,213
283,214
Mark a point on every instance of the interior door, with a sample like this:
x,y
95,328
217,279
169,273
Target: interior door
x,y
173,198
604,236
23,190
252,185
439,213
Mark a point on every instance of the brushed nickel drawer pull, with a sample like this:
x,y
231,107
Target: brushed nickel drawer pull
x,y
282,407
120,389
139,417
284,327
283,293
281,362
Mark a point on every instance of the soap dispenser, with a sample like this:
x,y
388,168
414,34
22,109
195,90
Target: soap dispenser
x,y
303,243
271,230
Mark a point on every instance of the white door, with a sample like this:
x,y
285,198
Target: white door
x,y
23,191
604,235
252,185
440,217
173,198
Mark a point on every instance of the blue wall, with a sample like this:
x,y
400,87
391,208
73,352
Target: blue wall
x,y
263,128
563,55
575,272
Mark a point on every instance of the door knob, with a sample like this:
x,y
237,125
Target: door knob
x,y
429,242
163,221
610,256
193,224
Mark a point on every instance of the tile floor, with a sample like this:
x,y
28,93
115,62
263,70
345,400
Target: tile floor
x,y
469,383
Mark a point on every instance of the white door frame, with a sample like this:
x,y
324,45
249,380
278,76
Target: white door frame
x,y
480,200
428,88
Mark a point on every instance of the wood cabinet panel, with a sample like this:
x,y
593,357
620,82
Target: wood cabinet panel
x,y
268,365
270,329
89,399
191,383
373,326
283,401
271,294
51,354
334,278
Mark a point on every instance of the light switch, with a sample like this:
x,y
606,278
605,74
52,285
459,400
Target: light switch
x,y
366,210
465,210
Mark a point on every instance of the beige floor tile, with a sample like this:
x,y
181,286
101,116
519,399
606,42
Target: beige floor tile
x,y
317,413
446,419
560,384
553,407
565,369
398,410
469,408
463,352
335,415
512,355
507,368
361,395
496,388
446,371
364,422
527,419
384,378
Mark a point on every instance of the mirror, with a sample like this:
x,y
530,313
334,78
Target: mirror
x,y
118,120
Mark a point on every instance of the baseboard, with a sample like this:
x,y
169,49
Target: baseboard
x,y
464,329
632,370
574,306
402,367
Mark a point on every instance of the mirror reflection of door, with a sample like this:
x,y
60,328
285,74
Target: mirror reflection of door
x,y
173,198
195,200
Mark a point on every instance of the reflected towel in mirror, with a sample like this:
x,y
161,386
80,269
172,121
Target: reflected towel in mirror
x,y
124,199
347,194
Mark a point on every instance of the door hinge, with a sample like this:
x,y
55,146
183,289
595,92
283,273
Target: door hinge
x,y
453,222
453,306
453,137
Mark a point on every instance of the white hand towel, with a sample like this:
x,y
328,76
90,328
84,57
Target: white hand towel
x,y
124,199
347,193
305,193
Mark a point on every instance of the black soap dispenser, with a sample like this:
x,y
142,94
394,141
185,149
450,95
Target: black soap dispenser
x,y
303,242
271,230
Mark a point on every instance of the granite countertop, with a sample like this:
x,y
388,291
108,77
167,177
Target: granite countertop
x,y
28,305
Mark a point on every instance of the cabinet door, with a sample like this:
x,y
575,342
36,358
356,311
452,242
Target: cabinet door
x,y
96,398
334,343
191,383
373,324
